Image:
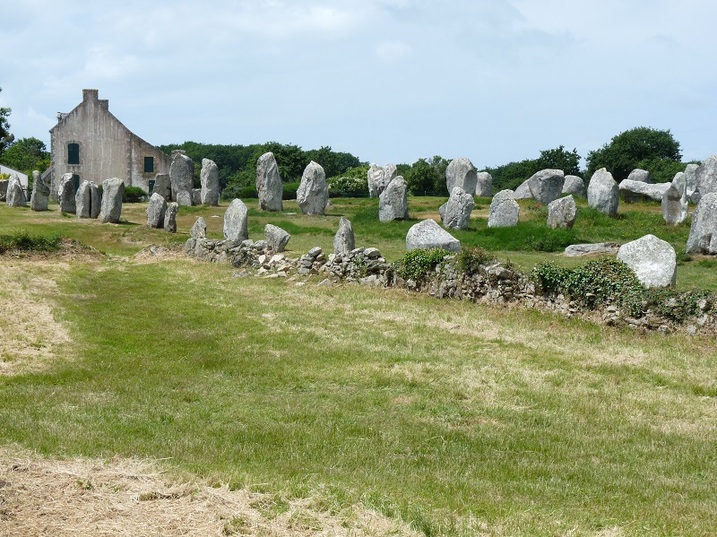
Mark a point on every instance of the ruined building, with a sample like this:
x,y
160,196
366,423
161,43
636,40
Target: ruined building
x,y
92,144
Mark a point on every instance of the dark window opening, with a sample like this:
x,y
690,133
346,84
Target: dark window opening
x,y
151,186
76,182
73,153
148,164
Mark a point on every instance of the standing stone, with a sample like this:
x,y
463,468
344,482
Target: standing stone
x,y
691,182
379,178
112,193
562,213
170,217
546,185
484,185
276,238
643,176
679,181
66,194
456,212
268,183
181,177
393,202
703,230
523,191
15,196
156,209
3,189
87,200
162,186
199,229
236,223
603,193
344,240
706,176
674,206
313,193
209,177
428,234
575,186
40,197
504,210
653,261
196,196
461,172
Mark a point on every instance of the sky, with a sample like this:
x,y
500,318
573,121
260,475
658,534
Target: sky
x,y
390,81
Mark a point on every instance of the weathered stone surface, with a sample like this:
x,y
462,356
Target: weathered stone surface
x,y
575,186
674,206
379,177
632,191
40,197
691,182
162,186
484,184
170,217
562,213
344,240
209,178
643,176
461,173
653,261
679,181
703,230
199,229
428,234
15,196
236,222
66,194
3,189
393,201
600,248
156,209
603,192
181,177
87,200
268,183
546,185
112,193
706,176
523,191
504,210
276,238
313,193
196,196
456,212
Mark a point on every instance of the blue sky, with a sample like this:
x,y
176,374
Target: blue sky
x,y
390,81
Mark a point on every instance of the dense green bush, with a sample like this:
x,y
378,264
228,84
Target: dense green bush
x,y
247,192
133,194
289,192
416,264
348,186
469,260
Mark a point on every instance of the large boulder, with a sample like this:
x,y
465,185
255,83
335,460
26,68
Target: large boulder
x,y
181,177
112,194
603,192
703,230
379,178
393,201
456,212
15,196
546,185
575,186
236,223
461,172
653,261
40,197
632,191
428,234
156,209
162,186
170,217
313,193
87,200
674,206
642,176
209,177
66,194
504,210
199,229
268,183
600,248
276,238
562,213
523,191
344,240
706,176
484,184
691,182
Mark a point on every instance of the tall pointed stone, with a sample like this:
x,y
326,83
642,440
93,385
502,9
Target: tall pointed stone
x,y
313,193
40,197
268,183
209,177
344,240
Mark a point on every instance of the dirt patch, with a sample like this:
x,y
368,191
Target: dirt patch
x,y
156,254
133,498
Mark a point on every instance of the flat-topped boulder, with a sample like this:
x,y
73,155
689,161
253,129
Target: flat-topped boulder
x,y
504,210
603,192
428,234
632,191
640,175
600,248
653,261
546,185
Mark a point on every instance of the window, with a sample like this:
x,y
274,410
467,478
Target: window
x,y
76,182
73,153
148,164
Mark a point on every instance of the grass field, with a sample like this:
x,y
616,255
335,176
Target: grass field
x,y
455,418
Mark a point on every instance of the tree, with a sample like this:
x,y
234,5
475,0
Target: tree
x,y
26,155
427,177
5,137
559,159
511,175
628,149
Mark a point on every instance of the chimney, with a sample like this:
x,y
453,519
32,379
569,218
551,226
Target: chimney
x,y
89,95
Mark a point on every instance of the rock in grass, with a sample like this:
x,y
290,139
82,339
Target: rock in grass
x,y
15,196
87,200
703,230
269,187
313,192
632,191
674,206
162,186
393,202
236,221
574,185
379,178
484,184
600,248
428,234
199,229
504,210
156,209
706,176
209,176
456,212
344,240
181,177
40,197
546,185
66,194
461,173
276,238
653,261
170,217
642,176
112,194
562,213
603,193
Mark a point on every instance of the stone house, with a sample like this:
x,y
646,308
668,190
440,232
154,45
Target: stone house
x,y
92,144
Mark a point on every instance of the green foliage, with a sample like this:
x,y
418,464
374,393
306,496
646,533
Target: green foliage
x,y
26,155
289,192
678,306
629,149
134,194
511,175
5,137
248,192
470,259
352,184
22,241
427,178
417,264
